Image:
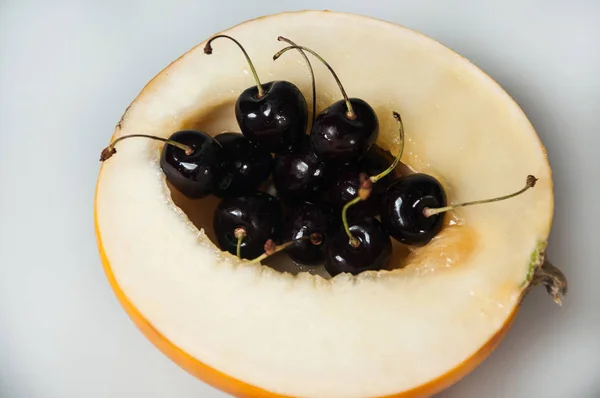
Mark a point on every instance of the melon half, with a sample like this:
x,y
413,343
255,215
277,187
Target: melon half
x,y
252,330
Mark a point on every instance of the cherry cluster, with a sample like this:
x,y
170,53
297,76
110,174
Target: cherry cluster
x,y
339,199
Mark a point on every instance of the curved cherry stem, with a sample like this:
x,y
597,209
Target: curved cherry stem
x,y
530,183
208,50
354,242
350,111
110,150
312,75
387,171
366,183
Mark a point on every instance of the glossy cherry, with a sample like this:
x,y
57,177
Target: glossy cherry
x,y
190,159
273,115
343,132
277,121
299,175
195,175
371,253
362,244
309,226
403,204
413,207
244,166
258,214
343,139
345,186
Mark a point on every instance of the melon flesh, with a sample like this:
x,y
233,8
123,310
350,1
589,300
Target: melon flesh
x,y
375,334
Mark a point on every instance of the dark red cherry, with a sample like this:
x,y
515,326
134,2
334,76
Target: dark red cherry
x,y
273,115
190,159
194,175
403,204
414,207
339,138
299,175
372,252
309,226
345,186
258,213
276,121
244,166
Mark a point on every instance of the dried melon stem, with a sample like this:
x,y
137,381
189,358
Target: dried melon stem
x,y
553,279
543,272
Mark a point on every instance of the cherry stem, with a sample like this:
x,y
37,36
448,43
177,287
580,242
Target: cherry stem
x,y
240,235
350,113
366,183
271,248
354,242
208,50
110,150
530,183
387,171
312,75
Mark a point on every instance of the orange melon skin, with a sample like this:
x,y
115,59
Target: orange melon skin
x,y
241,389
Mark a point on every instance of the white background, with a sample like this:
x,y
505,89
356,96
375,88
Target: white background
x,y
69,69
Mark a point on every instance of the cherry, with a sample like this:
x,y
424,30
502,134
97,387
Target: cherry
x,y
194,175
299,175
273,115
191,160
413,206
343,132
244,166
362,244
357,188
309,226
371,251
403,204
345,187
244,224
341,138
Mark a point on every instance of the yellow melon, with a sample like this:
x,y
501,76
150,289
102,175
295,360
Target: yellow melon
x,y
253,331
